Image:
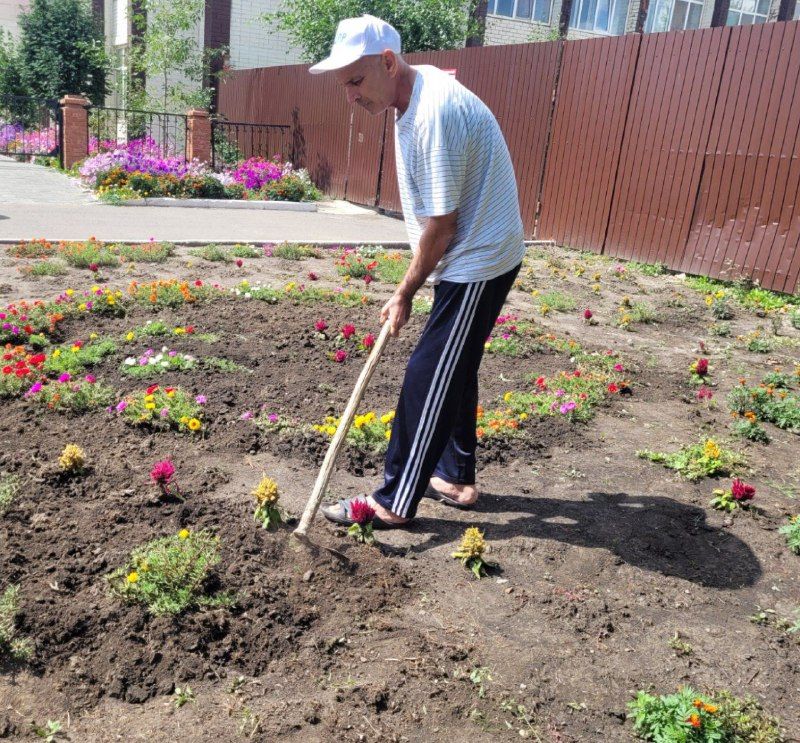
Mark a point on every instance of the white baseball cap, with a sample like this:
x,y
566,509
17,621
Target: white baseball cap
x,y
356,38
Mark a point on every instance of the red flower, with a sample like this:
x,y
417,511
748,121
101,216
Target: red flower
x,y
576,373
28,329
348,331
312,276
189,329
239,262
540,382
372,266
340,355
7,370
198,283
368,341
587,314
694,720
704,393
742,491
361,512
612,388
368,279
94,268
151,389
701,367
320,325
162,472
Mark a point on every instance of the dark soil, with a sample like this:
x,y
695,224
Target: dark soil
x,y
604,558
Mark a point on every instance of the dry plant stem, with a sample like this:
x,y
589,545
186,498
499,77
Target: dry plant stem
x,y
341,432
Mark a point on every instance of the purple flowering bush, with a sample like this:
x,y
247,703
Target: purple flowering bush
x,y
14,138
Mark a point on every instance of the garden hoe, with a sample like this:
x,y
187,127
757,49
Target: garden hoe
x,y
299,534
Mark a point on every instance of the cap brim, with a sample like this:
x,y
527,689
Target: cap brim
x,y
334,63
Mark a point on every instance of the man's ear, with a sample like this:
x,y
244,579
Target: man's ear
x,y
389,62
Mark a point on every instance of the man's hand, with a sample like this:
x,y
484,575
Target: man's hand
x,y
397,311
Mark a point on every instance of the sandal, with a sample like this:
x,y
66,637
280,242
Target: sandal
x,y
434,494
339,513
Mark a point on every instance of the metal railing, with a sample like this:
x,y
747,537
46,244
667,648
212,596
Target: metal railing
x,y
160,133
29,126
233,141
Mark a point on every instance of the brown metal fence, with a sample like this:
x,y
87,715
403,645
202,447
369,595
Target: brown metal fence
x,y
682,147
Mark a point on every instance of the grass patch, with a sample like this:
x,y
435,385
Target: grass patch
x,y
45,268
12,646
223,365
149,252
647,269
556,300
169,575
9,487
695,461
212,252
294,251
241,250
744,293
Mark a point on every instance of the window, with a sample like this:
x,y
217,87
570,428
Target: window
x,y
535,10
747,12
673,15
601,16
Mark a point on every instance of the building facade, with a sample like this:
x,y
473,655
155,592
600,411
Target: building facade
x,y
9,12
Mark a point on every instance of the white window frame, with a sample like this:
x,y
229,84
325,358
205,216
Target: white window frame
x,y
594,29
648,26
739,12
493,4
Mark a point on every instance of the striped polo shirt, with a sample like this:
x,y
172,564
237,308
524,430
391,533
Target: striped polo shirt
x,y
451,155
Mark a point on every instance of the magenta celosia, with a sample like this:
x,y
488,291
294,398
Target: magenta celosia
x,y
320,325
361,512
348,331
742,491
162,473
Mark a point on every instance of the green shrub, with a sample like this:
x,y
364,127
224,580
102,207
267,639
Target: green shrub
x,y
9,486
170,575
149,252
295,251
245,251
695,461
73,358
45,268
211,252
792,532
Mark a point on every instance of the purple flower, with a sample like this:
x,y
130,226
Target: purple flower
x,y
567,407
65,377
560,393
90,378
164,412
121,405
200,399
272,418
246,416
36,387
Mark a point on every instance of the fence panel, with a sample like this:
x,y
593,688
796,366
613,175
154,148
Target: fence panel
x,y
592,100
157,132
747,218
29,126
678,77
233,141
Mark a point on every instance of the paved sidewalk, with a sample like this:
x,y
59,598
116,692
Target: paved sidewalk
x,y
40,202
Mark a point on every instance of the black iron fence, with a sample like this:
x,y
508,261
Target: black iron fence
x,y
233,141
29,126
155,132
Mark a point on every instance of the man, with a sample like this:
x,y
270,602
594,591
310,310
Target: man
x,y
461,210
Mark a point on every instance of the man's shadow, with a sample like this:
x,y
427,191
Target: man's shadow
x,y
651,532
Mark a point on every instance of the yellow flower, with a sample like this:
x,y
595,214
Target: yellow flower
x,y
75,349
130,336
709,300
194,424
523,416
93,336
711,450
720,293
150,405
72,458
149,398
472,543
110,300
183,534
179,331
56,353
70,292
133,577
388,434
266,492
94,289
387,417
330,430
184,419
171,393
507,396
144,566
82,307
535,293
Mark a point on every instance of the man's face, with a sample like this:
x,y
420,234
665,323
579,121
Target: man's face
x,y
370,82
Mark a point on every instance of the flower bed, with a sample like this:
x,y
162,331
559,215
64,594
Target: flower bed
x,y
137,170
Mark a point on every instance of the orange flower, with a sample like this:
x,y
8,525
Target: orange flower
x,y
710,708
694,720
480,433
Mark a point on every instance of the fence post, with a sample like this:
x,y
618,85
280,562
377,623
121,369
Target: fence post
x,y
74,129
198,135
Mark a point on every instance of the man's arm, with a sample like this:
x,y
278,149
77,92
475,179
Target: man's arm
x,y
434,241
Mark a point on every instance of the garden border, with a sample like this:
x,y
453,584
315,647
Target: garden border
x,y
291,206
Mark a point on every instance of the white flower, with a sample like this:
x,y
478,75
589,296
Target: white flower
x,y
130,361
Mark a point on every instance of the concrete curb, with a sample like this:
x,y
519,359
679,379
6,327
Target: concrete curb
x,y
288,206
190,243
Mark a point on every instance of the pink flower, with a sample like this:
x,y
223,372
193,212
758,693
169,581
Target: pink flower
x,y
701,367
619,368
201,399
612,388
340,355
246,416
368,340
320,325
742,491
348,331
704,393
36,387
272,417
239,262
361,512
162,472
94,268
121,405
368,279
312,276
65,377
567,407
587,314
90,378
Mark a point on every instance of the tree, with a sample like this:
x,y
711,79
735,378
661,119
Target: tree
x,y
62,50
422,24
170,57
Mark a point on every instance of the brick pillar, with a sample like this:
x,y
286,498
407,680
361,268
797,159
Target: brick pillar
x,y
74,129
198,136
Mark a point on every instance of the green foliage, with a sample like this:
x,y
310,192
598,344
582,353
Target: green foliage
x,y
45,268
145,408
556,300
295,251
695,461
74,396
422,24
744,721
684,717
223,365
245,251
149,252
720,309
169,575
794,318
720,329
291,187
11,646
421,306
73,358
768,403
647,269
84,254
791,530
62,50
211,252
749,429
12,81
392,266
9,486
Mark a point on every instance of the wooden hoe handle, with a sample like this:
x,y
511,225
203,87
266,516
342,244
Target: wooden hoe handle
x,y
341,432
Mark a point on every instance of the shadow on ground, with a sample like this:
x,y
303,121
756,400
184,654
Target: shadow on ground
x,y
649,532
